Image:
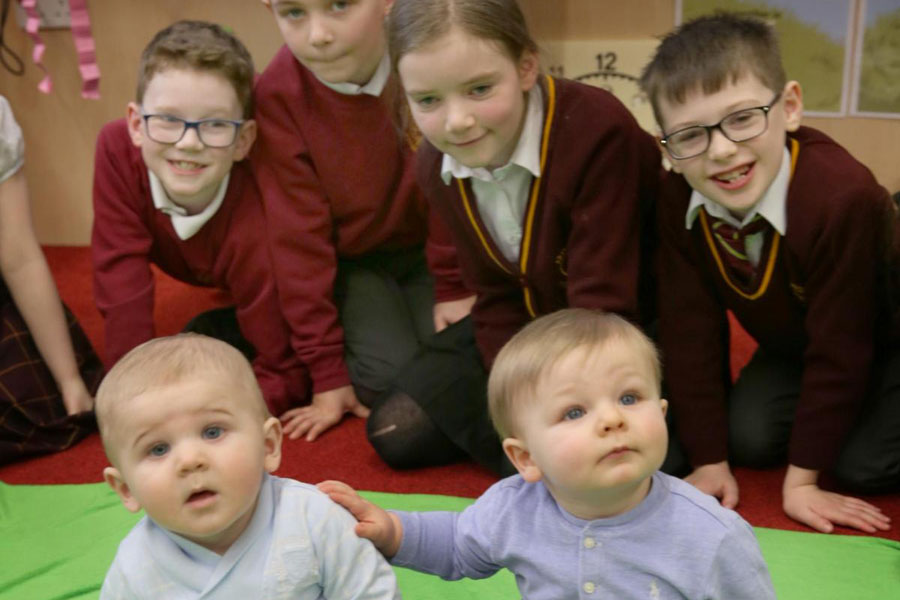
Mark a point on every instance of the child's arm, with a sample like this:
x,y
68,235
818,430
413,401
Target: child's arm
x,y
300,232
453,302
120,245
31,284
450,545
374,523
806,502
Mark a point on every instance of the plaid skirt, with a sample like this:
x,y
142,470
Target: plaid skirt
x,y
33,419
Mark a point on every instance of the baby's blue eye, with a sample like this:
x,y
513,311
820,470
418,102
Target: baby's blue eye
x,y
480,90
628,399
339,6
158,449
213,432
573,413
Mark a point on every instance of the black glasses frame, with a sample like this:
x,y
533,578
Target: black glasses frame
x,y
710,128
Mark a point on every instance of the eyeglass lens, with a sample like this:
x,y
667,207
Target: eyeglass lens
x,y
737,127
215,133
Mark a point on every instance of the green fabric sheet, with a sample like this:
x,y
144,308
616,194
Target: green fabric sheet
x,y
57,541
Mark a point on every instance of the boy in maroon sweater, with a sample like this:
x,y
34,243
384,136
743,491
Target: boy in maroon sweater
x,y
347,222
780,225
171,189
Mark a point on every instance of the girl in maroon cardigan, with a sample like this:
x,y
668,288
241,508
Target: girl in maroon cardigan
x,y
540,182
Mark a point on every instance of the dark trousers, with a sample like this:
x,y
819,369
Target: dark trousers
x,y
761,410
386,302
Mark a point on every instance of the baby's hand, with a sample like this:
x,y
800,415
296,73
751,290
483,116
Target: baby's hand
x,y
376,524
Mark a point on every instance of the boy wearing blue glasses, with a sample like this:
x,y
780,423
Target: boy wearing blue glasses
x,y
780,225
171,188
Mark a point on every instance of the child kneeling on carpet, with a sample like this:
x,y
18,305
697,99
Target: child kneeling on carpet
x,y
575,396
172,189
186,429
780,225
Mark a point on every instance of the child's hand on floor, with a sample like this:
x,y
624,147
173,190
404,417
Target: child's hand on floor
x,y
75,396
716,480
806,502
376,524
326,410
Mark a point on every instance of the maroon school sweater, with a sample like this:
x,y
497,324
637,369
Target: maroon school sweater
x,y
820,297
581,237
337,181
229,252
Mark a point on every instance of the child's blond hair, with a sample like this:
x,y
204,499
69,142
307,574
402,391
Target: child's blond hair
x,y
164,361
541,344
707,53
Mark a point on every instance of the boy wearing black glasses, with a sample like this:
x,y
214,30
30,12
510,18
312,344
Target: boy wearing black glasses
x,y
780,225
171,188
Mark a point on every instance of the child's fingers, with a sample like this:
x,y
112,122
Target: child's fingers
x,y
332,485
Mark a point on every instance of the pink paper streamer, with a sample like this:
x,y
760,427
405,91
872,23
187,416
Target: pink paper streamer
x,y
87,52
32,24
84,46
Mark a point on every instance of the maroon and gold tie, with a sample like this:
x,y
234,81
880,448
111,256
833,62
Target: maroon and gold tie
x,y
732,241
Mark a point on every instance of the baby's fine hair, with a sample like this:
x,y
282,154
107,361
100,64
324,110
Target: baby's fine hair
x,y
709,52
413,24
539,346
200,46
169,360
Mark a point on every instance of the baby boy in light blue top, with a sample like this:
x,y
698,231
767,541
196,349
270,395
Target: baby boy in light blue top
x,y
575,397
191,442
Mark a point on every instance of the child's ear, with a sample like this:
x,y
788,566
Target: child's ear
x,y
529,69
246,137
793,105
664,404
520,457
115,481
272,435
134,118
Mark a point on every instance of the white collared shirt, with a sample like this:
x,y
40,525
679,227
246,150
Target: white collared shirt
x,y
373,88
502,194
772,207
185,225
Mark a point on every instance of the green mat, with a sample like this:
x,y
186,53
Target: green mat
x,y
57,541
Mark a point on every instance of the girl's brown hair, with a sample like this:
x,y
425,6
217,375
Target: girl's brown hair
x,y
416,23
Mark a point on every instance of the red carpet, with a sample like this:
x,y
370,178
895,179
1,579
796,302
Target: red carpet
x,y
342,453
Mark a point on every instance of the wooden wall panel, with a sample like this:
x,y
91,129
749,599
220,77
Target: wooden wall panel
x,y
61,128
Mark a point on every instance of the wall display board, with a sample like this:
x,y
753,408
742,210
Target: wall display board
x,y
815,37
876,85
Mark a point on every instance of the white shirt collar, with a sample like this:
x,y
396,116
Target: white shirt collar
x,y
772,206
185,225
527,153
373,88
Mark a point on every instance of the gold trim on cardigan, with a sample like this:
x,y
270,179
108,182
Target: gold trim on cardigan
x,y
528,226
773,251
